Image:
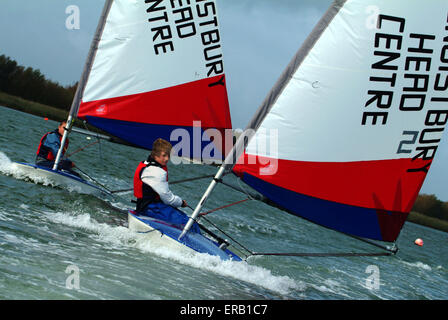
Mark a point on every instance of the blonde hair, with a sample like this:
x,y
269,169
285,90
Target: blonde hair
x,y
159,146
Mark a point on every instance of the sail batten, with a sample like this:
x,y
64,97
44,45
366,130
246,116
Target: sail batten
x,y
347,135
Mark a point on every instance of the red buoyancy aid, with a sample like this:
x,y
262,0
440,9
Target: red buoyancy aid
x,y
142,190
45,152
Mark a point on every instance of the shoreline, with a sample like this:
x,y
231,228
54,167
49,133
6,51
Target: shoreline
x,y
427,221
31,107
56,114
45,111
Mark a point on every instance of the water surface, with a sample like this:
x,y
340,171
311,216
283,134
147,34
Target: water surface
x,y
45,229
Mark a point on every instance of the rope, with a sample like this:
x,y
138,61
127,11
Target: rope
x,y
394,248
97,137
80,149
242,189
174,182
223,207
224,233
98,140
343,254
101,185
228,236
192,179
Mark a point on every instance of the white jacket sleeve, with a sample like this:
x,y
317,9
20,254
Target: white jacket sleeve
x,y
155,177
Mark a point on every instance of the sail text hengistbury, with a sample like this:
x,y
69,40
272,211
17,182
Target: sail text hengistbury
x,y
423,71
183,19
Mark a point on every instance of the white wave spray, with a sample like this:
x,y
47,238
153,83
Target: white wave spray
x,y
122,236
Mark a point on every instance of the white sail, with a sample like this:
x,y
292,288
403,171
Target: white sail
x,y
346,136
154,67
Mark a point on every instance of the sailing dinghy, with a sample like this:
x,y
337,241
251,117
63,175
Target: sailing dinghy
x,y
65,178
155,70
347,135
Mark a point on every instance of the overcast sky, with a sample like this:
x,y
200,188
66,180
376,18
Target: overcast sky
x,y
259,38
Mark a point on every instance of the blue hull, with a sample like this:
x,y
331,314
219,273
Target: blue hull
x,y
195,241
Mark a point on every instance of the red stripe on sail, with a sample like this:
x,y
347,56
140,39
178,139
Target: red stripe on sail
x,y
385,185
203,100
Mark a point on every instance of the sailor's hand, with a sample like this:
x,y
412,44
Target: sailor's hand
x,y
184,204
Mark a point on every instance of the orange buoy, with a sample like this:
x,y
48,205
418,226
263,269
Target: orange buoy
x,y
46,119
419,242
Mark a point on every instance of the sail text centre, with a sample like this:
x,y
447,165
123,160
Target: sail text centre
x,y
416,82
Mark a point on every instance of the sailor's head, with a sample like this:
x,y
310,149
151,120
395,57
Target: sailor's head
x,y
161,150
61,127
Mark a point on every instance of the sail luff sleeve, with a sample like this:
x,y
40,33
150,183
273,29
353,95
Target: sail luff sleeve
x,y
90,58
276,91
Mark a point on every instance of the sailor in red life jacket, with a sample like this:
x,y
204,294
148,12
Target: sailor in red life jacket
x,y
48,149
154,198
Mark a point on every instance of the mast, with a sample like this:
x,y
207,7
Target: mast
x,y
83,81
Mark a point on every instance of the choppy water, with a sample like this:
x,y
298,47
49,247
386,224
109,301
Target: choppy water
x,y
45,231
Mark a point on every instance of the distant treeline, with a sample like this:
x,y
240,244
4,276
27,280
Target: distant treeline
x,y
31,84
429,205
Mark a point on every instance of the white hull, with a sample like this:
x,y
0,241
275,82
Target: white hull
x,y
154,236
168,237
59,179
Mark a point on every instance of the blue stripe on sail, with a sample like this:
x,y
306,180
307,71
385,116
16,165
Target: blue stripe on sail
x,y
357,221
143,135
